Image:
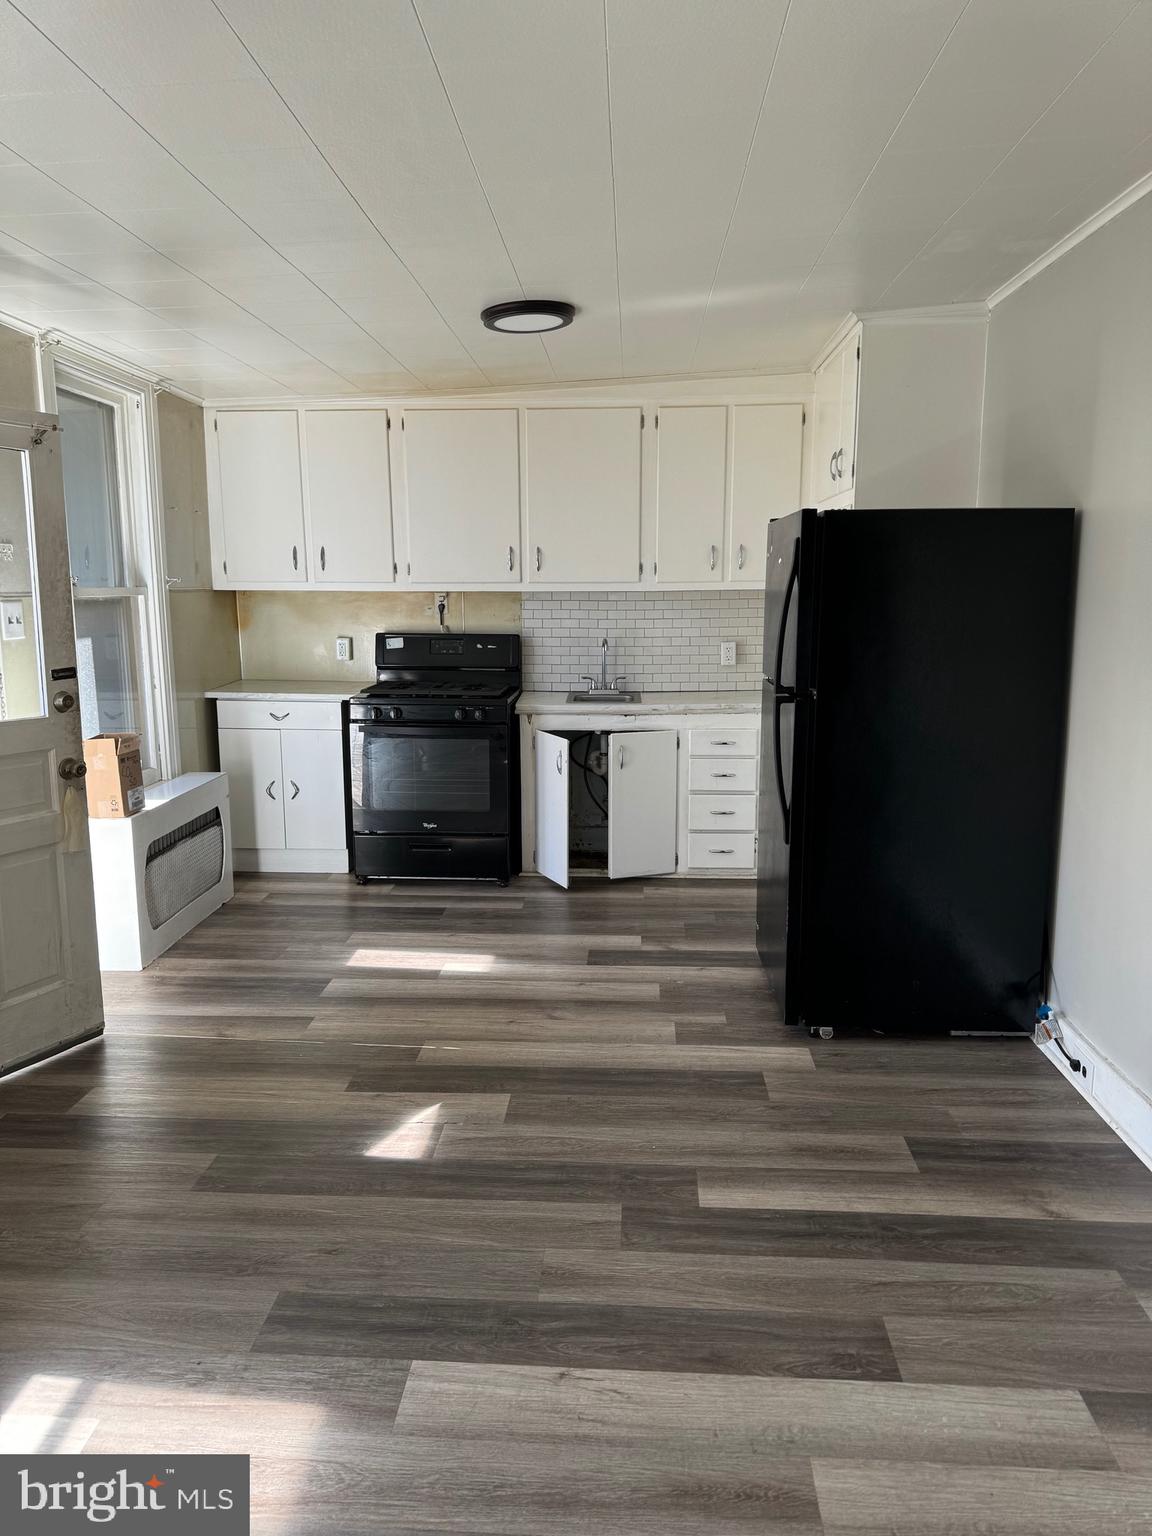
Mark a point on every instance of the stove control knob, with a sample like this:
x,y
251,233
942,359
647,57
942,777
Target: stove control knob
x,y
477,714
394,713
375,714
459,714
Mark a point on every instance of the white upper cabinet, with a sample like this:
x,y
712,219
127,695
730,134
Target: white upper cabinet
x,y
691,479
834,426
767,443
582,490
462,473
260,496
349,497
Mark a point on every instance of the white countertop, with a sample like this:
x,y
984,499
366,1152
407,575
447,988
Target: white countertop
x,y
733,702
258,689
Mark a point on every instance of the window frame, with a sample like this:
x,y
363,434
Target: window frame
x,y
136,439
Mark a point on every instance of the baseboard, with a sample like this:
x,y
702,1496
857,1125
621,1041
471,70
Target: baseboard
x,y
1118,1102
290,861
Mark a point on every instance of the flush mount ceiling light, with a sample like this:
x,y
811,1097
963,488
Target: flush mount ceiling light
x,y
526,315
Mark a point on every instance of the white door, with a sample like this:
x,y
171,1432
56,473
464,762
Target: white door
x,y
552,807
462,473
582,488
767,444
641,803
49,971
691,477
849,384
261,502
349,496
313,780
251,759
826,427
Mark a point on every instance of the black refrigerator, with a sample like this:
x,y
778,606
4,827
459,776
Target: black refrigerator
x,y
914,699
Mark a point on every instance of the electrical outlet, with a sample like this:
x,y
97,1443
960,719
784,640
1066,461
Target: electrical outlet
x,y
343,647
727,653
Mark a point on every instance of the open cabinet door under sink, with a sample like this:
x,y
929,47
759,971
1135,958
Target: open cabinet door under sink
x,y
552,806
641,803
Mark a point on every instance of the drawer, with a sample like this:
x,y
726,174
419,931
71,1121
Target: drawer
x,y
723,776
278,714
722,743
722,813
722,850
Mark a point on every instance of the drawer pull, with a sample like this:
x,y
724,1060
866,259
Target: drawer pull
x,y
723,743
721,850
275,716
723,775
721,813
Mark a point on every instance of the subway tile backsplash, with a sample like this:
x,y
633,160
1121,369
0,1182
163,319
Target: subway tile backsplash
x,y
660,641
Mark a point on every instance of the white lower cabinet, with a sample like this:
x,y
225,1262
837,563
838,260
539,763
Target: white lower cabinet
x,y
638,817
286,785
678,796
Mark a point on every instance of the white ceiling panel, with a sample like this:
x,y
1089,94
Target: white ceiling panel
x,y
279,196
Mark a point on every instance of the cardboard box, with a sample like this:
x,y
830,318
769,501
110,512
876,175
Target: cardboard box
x,y
115,778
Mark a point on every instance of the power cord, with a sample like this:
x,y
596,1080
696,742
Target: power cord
x,y
1043,1014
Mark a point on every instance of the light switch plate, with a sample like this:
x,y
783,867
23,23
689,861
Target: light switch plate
x,y
343,647
727,653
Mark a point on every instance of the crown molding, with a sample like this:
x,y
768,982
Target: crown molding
x,y
928,314
1068,242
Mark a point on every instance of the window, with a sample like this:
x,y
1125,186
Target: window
x,y
120,633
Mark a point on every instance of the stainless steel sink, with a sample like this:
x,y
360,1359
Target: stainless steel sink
x,y
606,696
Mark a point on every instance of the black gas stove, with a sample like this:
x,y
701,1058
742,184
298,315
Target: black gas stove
x,y
432,766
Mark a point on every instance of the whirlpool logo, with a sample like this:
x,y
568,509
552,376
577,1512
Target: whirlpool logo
x,y
179,1494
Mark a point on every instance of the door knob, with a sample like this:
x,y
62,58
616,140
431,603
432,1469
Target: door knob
x,y
72,769
63,701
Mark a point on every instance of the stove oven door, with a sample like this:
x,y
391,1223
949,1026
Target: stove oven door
x,y
428,778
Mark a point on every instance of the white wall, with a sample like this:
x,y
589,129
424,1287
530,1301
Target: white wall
x,y
1068,421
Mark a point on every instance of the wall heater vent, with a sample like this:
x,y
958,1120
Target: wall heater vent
x,y
182,865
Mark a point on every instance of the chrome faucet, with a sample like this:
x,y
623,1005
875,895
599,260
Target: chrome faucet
x,y
604,686
604,664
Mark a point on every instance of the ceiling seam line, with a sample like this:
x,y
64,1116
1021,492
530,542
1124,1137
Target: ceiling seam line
x,y
1007,155
740,185
896,129
475,171
190,172
612,178
264,75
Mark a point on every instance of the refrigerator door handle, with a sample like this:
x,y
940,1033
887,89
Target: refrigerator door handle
x,y
793,574
780,700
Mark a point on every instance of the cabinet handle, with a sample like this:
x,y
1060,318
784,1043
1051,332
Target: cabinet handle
x,y
295,788
723,775
268,789
721,850
295,559
323,559
537,557
840,464
275,716
711,557
739,557
721,813
620,760
723,743
832,467
511,558
560,762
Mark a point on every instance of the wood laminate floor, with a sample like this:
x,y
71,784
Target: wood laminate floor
x,y
518,1213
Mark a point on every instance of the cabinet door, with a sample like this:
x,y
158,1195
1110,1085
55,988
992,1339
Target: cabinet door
x,y
251,759
583,494
691,475
261,501
767,443
462,472
849,383
313,789
349,496
826,427
552,807
641,803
